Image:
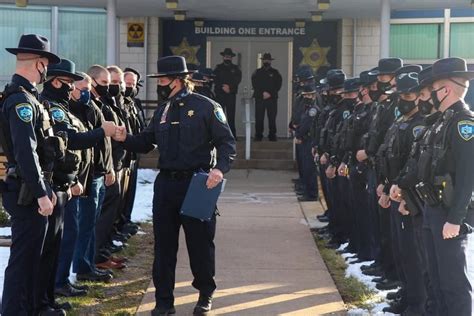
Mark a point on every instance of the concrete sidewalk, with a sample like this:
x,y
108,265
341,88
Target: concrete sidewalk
x,y
267,261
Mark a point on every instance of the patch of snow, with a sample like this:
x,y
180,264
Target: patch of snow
x,y
141,232
4,255
142,207
5,231
117,243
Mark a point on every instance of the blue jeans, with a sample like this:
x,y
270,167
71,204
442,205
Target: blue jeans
x,y
90,206
71,229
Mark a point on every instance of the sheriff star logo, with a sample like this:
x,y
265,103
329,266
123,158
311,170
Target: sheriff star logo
x,y
315,56
190,113
187,51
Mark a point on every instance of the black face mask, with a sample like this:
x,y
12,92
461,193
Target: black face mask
x,y
425,107
349,102
101,90
130,92
436,101
267,65
324,98
334,99
63,93
383,86
227,62
375,95
308,101
164,92
114,90
405,107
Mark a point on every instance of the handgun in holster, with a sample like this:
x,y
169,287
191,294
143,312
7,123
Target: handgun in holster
x,y
445,183
428,194
413,202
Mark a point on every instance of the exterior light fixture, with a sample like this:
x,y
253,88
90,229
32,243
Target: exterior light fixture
x,y
323,5
316,16
300,23
171,4
180,15
199,22
21,3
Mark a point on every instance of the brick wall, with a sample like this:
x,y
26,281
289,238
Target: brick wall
x,y
367,45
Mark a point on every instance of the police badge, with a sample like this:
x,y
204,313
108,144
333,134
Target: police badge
x,y
24,112
466,130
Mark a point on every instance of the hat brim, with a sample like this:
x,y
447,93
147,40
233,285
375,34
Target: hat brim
x,y
349,91
469,75
381,73
52,58
233,55
63,73
171,74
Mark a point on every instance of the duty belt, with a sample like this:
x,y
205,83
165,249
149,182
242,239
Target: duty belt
x,y
177,174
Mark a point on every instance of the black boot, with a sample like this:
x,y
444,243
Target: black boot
x,y
204,305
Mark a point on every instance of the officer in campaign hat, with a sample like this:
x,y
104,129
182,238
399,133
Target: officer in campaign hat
x,y
227,79
30,147
186,129
446,186
266,82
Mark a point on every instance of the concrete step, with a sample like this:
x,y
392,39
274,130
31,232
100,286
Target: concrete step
x,y
266,164
266,154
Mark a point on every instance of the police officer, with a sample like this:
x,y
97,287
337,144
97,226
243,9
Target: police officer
x,y
27,194
266,82
385,112
132,89
327,120
201,85
186,129
227,80
303,138
395,152
447,184
56,94
304,76
362,241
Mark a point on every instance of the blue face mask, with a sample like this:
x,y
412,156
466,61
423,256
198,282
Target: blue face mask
x,y
85,97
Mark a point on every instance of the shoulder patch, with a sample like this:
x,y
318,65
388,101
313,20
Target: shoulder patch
x,y
24,112
397,112
417,130
466,129
57,114
219,113
312,112
346,114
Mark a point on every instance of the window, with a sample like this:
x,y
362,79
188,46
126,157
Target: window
x,y
82,36
462,40
416,41
13,23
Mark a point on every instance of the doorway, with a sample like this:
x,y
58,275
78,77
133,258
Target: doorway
x,y
248,51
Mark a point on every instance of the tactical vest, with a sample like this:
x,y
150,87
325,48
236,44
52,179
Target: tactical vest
x,y
48,146
66,170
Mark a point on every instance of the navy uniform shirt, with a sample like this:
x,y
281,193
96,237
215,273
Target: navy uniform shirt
x,y
202,126
454,143
227,74
266,80
23,114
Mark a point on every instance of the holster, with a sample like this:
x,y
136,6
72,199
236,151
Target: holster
x,y
413,202
428,194
447,189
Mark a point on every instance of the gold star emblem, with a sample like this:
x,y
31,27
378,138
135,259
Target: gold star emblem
x,y
187,51
314,55
190,113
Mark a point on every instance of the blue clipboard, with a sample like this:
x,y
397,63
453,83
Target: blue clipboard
x,y
200,202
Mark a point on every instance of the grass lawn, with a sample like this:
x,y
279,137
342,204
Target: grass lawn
x,y
123,294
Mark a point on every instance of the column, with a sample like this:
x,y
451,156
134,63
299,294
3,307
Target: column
x,y
385,28
111,31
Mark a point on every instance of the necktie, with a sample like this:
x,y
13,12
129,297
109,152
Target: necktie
x,y
173,137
